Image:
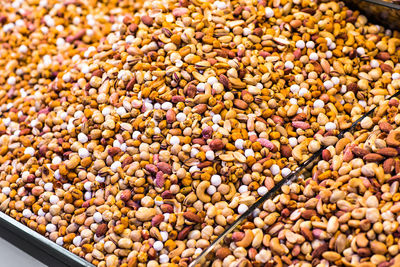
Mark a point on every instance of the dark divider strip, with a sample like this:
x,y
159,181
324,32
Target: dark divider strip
x,y
38,246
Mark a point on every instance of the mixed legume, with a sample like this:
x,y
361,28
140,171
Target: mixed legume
x,y
136,133
344,211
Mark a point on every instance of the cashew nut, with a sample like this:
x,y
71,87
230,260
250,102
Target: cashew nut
x,y
258,238
201,191
343,123
357,184
341,144
246,241
179,249
277,247
382,109
231,193
393,139
332,108
393,43
353,244
299,152
350,41
361,138
278,261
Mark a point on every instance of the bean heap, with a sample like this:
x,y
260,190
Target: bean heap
x,y
134,134
344,211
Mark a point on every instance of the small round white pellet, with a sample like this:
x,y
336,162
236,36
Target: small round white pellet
x,y
249,153
211,190
166,105
97,217
77,240
239,143
294,88
303,91
216,118
330,126
164,234
83,152
300,44
242,208
87,185
135,135
116,164
293,101
29,151
360,51
174,140
328,84
395,76
6,190
293,141
194,152
335,80
41,212
181,117
243,189
82,138
51,228
210,155
216,180
54,199
275,169
314,56
158,245
289,65
211,80
60,241
164,258
201,87
269,12
285,172
319,103
310,44
262,190
27,213
48,186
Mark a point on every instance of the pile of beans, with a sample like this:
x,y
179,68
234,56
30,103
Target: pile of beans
x,y
134,134
345,210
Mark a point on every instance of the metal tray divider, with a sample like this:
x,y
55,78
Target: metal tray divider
x,y
38,246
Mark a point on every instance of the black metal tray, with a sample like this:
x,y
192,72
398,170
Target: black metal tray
x,y
37,245
53,255
378,11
